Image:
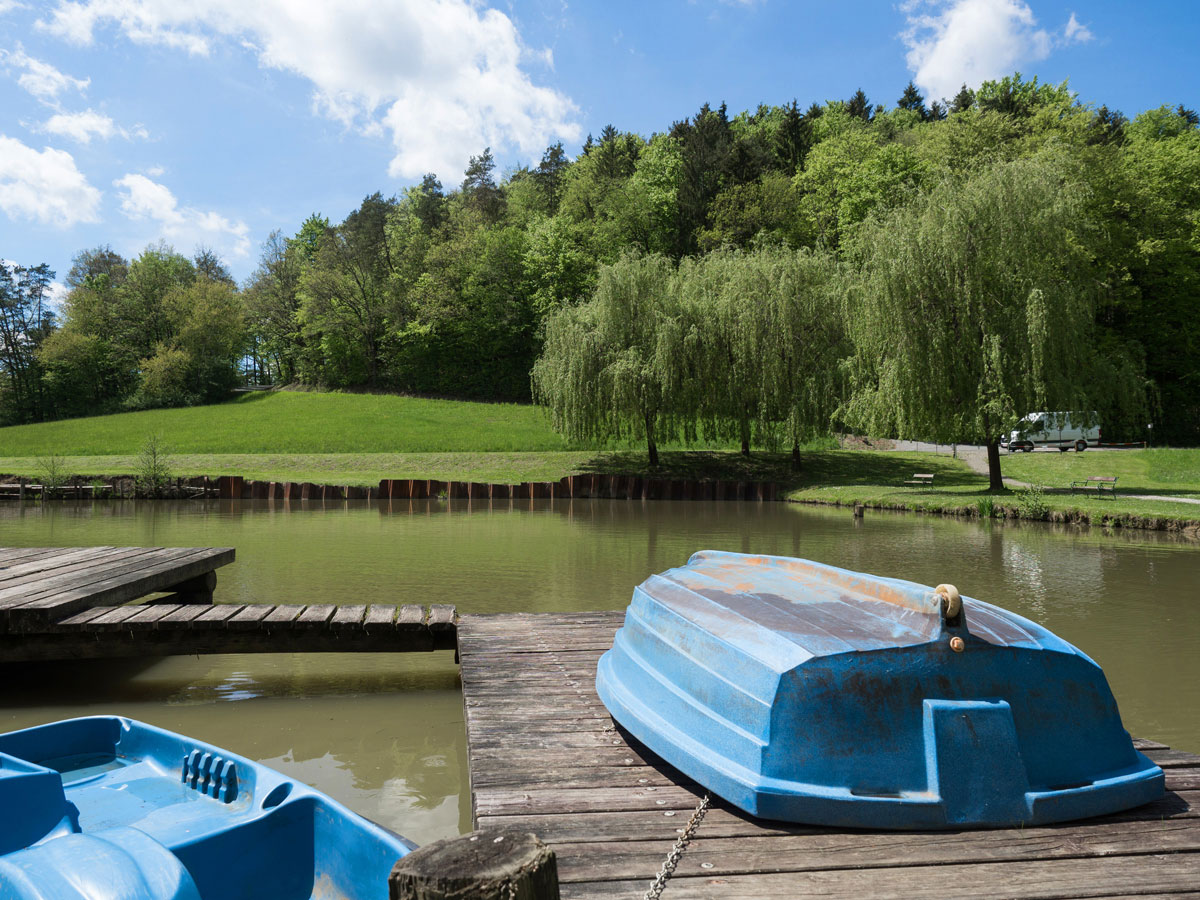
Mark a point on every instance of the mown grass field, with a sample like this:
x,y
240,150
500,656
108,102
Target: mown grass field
x,y
876,479
1155,471
288,422
355,439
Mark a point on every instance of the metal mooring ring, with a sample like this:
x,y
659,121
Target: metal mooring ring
x,y
951,601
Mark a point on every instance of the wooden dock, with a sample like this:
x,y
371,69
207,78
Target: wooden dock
x,y
75,603
546,757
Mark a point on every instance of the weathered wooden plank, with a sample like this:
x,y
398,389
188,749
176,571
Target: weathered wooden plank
x,y
596,861
186,638
641,825
114,619
216,615
315,616
11,556
348,618
282,618
1167,759
104,562
181,618
59,575
147,619
1036,880
546,801
61,559
117,589
380,618
442,617
411,616
250,617
83,618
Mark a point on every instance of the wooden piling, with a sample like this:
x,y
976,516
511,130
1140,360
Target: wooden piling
x,y
482,865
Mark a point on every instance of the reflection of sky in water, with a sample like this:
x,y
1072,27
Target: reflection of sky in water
x,y
384,733
236,686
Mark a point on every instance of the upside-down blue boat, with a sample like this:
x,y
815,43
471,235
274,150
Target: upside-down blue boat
x,y
106,807
803,692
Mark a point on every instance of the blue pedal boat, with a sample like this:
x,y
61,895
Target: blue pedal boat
x,y
107,808
808,693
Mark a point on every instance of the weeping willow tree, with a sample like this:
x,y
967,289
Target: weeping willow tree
x,y
973,306
605,368
732,346
762,342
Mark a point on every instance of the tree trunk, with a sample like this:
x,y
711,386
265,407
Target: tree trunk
x,y
795,456
995,479
745,438
650,445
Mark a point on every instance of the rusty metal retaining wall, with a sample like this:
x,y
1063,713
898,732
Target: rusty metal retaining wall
x,y
616,487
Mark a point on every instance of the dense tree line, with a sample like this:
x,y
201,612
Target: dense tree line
x,y
746,225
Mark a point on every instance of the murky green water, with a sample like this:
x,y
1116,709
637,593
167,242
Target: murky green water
x,y
384,733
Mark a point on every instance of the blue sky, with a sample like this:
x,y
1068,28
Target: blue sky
x,y
213,122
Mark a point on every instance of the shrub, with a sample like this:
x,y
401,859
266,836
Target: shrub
x,y
1031,501
153,468
52,473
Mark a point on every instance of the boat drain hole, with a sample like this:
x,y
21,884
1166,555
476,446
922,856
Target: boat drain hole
x,y
277,795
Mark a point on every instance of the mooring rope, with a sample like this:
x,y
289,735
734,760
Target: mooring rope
x,y
676,852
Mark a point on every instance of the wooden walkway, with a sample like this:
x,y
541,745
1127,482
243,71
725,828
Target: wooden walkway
x,y
546,757
73,603
42,585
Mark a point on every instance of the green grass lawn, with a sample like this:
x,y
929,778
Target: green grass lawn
x,y
876,479
1155,471
289,422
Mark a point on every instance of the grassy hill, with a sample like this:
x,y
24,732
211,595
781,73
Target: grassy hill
x,y
293,422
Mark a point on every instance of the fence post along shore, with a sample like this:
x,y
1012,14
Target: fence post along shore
x,y
491,864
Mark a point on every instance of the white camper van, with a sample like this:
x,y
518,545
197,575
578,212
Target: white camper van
x,y
1054,429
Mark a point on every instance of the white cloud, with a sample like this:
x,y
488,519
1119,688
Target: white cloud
x,y
39,78
443,78
146,200
970,41
1075,32
44,186
85,125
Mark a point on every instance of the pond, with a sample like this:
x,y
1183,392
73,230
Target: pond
x,y
384,733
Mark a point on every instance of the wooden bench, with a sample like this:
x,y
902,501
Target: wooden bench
x,y
922,478
1101,484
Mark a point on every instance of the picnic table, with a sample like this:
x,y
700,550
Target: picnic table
x,y
922,478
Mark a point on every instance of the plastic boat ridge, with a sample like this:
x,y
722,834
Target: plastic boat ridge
x,y
803,692
107,808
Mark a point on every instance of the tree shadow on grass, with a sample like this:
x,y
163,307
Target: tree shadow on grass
x,y
818,468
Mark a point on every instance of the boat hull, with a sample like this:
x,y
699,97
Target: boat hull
x,y
899,731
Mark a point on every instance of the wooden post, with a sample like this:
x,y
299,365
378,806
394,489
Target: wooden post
x,y
482,865
195,590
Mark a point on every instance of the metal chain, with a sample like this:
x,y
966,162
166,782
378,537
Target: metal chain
x,y
676,853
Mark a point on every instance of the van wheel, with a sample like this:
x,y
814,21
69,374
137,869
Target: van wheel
x,y
1026,449
1063,449
1080,446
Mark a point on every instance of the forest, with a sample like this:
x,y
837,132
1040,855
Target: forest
x,y
921,269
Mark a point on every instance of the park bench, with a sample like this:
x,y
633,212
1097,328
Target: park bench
x,y
1101,484
922,478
